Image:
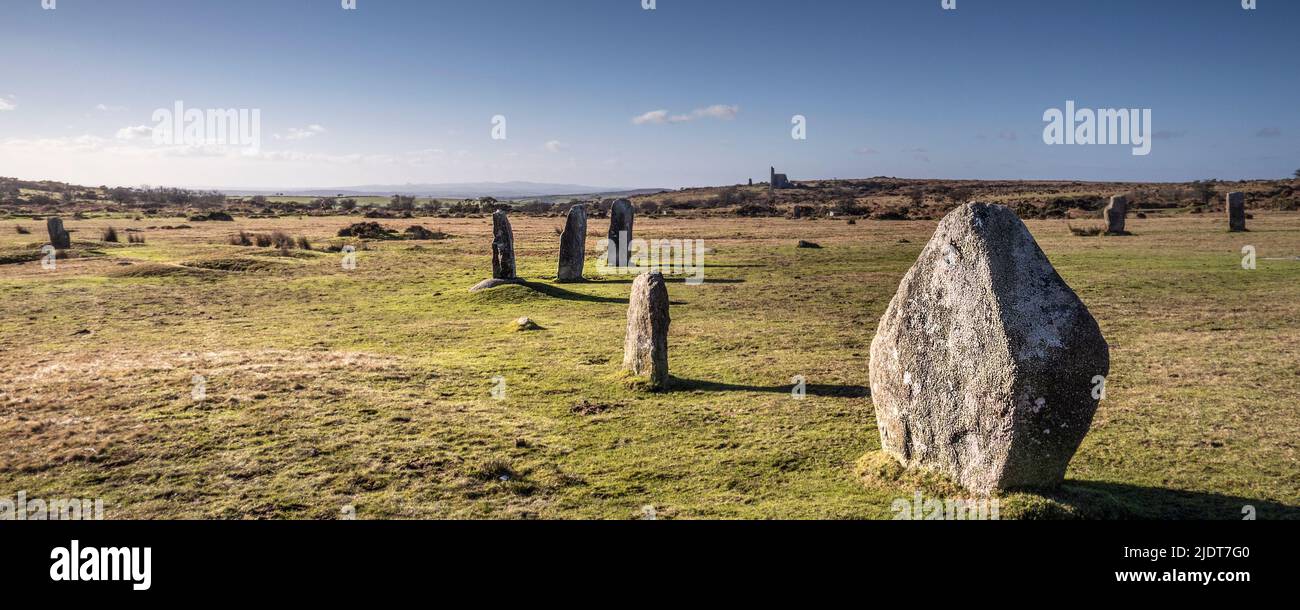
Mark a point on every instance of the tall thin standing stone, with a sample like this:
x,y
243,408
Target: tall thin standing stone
x,y
645,350
573,244
1236,211
620,233
59,237
503,247
1116,213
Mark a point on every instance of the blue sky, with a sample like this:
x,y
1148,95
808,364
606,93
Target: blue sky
x,y
404,91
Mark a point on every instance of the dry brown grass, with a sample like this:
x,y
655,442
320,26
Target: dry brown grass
x,y
371,387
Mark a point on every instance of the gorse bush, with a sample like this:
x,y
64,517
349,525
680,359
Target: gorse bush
x,y
275,239
109,234
281,240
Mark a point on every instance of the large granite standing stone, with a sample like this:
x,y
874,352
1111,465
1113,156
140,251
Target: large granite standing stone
x,y
1236,211
985,362
620,233
503,247
1116,213
645,350
59,237
573,244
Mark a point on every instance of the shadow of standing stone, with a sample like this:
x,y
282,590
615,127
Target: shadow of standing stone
x,y
620,233
573,245
645,350
1236,211
59,237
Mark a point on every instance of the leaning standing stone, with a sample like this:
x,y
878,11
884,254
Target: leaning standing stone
x,y
503,247
59,237
620,233
1116,213
645,350
1236,211
573,244
985,363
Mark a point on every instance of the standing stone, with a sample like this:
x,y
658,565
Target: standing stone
x,y
645,350
1116,213
985,363
620,233
59,237
1236,211
503,247
573,244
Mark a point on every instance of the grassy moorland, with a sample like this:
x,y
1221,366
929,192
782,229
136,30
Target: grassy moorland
x,y
371,387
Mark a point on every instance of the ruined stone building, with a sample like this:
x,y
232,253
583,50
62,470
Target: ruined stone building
x,y
778,181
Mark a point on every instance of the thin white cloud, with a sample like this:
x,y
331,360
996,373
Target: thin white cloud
x,y
866,150
303,133
135,132
107,108
716,111
659,117
7,103
654,116
555,146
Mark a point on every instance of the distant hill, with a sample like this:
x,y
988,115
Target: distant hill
x,y
467,190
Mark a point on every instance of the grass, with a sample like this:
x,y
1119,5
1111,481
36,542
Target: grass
x,y
373,387
1088,231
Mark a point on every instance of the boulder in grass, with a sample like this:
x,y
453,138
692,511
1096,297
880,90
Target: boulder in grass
x,y
986,365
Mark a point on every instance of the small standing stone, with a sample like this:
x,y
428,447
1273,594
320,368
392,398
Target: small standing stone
x,y
645,351
59,237
1236,211
573,244
620,233
503,247
1116,213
